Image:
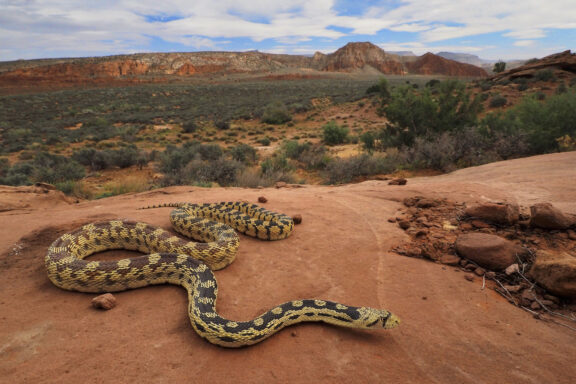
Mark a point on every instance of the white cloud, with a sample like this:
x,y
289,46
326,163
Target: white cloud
x,y
524,43
47,27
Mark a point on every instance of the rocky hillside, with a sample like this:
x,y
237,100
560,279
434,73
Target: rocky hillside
x,y
431,64
160,66
562,65
354,56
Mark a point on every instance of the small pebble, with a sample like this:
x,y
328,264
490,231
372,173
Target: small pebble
x,y
262,199
106,301
469,277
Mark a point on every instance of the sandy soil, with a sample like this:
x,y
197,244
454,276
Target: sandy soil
x,y
452,330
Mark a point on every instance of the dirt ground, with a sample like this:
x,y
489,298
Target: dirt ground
x,y
452,330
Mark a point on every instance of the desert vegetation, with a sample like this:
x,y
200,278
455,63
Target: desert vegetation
x,y
216,134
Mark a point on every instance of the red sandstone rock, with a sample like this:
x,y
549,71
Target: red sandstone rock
x,y
556,272
297,219
431,64
106,301
500,213
545,215
489,251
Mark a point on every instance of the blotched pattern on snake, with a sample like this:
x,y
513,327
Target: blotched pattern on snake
x,y
174,260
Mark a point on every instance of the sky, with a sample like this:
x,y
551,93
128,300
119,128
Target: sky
x,y
491,29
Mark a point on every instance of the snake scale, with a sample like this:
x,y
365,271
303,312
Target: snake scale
x,y
174,260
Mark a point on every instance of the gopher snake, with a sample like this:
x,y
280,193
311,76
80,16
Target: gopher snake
x,y
173,260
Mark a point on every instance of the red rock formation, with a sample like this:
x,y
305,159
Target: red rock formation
x,y
562,64
355,56
154,66
431,64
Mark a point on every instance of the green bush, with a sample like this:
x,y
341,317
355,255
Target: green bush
x,y
499,66
276,163
222,125
498,101
93,158
544,75
333,134
419,113
540,123
345,170
382,89
368,140
276,113
293,149
189,126
244,153
265,141
314,157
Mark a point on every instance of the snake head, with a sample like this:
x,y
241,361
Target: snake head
x,y
377,318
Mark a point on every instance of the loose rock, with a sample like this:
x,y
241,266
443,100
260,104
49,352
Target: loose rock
x,y
545,215
106,301
262,199
469,277
480,271
449,259
404,224
500,213
511,269
281,184
556,272
489,251
398,181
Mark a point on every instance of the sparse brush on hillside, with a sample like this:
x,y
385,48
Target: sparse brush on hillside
x,y
45,167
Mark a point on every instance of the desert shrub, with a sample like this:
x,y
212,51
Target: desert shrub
x,y
53,169
382,89
102,159
276,113
314,157
222,125
278,162
94,159
419,113
334,134
485,86
562,88
498,101
18,174
368,140
203,172
174,159
544,75
265,141
499,66
15,139
244,153
345,170
189,126
293,149
538,123
432,83
4,166
539,95
123,157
